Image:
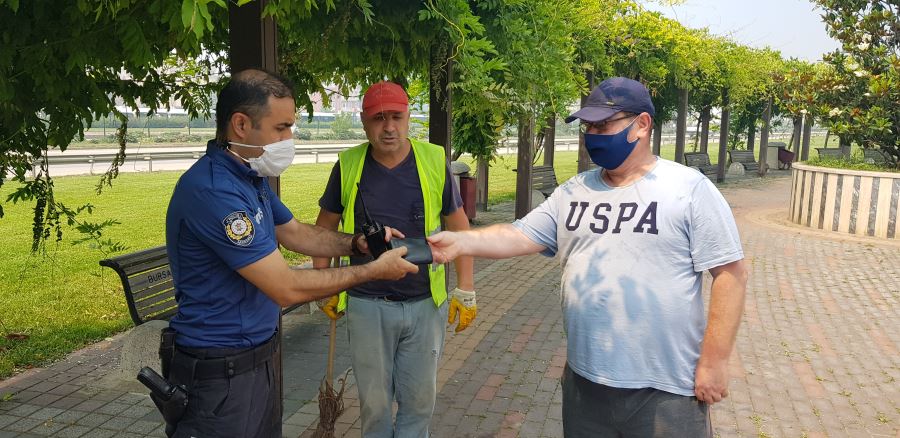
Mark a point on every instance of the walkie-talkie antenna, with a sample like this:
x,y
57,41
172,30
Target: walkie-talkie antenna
x,y
362,201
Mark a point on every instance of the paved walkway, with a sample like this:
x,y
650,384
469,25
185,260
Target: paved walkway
x,y
817,354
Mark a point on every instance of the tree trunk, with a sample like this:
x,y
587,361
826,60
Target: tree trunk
x,y
697,132
807,133
751,135
550,140
584,160
681,125
795,137
657,136
523,165
764,139
723,136
703,132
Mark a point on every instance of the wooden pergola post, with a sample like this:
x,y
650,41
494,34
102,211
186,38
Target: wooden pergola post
x,y
253,43
723,136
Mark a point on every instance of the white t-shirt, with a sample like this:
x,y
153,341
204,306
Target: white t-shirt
x,y
632,260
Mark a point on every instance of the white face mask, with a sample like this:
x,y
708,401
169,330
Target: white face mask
x,y
276,157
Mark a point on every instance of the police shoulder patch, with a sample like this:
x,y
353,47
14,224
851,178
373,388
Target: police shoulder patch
x,y
239,228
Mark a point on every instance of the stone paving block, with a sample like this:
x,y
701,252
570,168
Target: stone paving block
x,y
46,413
131,398
44,399
301,419
113,408
552,428
7,419
48,428
64,389
73,431
89,405
23,410
142,427
66,402
137,411
69,417
24,424
291,431
117,423
93,419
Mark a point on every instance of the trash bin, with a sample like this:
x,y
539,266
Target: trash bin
x,y
772,157
466,186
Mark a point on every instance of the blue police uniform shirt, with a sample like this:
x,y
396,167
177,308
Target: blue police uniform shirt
x,y
221,218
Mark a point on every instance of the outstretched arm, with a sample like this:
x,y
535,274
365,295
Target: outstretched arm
x,y
465,266
286,286
726,305
312,240
496,242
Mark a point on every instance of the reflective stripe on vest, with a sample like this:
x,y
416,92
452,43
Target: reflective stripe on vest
x,y
431,167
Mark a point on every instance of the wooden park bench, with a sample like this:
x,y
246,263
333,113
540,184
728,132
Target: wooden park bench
x,y
543,179
745,158
700,161
148,286
830,153
874,156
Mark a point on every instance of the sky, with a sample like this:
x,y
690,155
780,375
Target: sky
x,y
793,27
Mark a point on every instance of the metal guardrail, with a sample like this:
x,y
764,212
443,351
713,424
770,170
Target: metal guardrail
x,y
149,157
506,147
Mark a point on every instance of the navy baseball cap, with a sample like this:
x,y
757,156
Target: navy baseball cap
x,y
614,95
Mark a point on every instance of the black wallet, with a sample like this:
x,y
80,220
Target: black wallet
x,y
417,250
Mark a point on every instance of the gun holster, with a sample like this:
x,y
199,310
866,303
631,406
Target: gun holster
x,y
171,400
166,350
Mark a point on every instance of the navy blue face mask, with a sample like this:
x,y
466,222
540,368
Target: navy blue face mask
x,y
609,151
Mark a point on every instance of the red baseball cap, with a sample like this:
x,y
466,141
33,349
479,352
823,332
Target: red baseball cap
x,y
384,96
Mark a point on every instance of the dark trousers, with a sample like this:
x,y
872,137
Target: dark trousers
x,y
242,405
594,410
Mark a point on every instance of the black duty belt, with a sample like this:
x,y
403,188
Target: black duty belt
x,y
230,365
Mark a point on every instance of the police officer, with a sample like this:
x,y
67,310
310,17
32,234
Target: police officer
x,y
223,228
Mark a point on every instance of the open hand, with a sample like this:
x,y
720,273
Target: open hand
x,y
444,246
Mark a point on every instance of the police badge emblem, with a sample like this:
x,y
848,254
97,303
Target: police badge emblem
x,y
239,228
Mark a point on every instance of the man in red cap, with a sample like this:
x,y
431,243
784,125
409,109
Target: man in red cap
x,y
396,328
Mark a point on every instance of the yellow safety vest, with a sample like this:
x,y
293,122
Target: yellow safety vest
x,y
432,168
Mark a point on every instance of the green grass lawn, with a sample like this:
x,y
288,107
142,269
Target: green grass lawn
x,y
63,300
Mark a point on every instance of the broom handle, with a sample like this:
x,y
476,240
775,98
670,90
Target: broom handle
x,y
329,372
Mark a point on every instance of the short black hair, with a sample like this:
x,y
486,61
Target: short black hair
x,y
248,92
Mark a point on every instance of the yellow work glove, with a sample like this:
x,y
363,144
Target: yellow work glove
x,y
329,306
462,303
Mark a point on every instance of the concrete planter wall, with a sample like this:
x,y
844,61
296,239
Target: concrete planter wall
x,y
846,201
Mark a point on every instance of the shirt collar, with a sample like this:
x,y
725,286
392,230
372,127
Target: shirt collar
x,y
220,155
